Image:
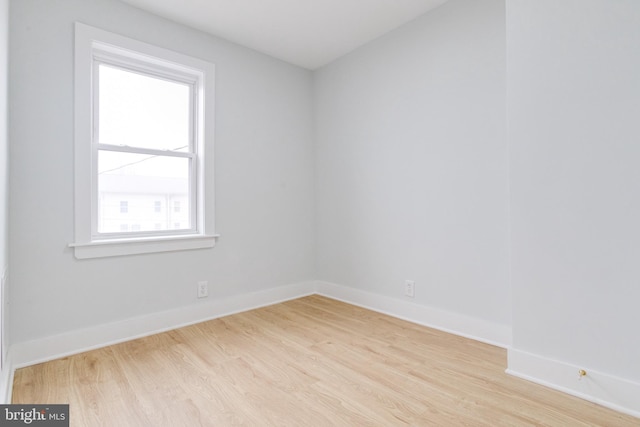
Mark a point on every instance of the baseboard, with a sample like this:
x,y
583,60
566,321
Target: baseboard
x,y
454,323
607,390
6,380
6,366
53,347
4,284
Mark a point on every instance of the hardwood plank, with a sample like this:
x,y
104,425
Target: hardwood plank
x,y
308,362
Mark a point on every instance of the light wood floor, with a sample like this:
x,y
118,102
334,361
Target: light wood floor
x,y
308,362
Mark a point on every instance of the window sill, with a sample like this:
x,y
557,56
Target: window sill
x,y
121,247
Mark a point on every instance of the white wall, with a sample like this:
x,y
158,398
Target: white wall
x,y
4,173
574,133
264,180
412,163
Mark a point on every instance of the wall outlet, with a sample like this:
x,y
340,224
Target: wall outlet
x,y
410,288
203,289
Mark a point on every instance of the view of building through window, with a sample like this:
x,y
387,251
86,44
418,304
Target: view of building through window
x,y
142,121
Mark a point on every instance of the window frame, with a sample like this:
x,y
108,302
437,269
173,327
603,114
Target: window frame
x,y
92,47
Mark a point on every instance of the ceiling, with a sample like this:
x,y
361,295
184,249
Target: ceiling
x,y
308,33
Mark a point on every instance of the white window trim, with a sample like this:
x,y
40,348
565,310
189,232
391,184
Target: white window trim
x,y
86,245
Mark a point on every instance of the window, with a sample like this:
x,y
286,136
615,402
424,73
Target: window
x,y
143,132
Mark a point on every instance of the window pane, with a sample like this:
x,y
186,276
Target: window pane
x,y
142,180
142,111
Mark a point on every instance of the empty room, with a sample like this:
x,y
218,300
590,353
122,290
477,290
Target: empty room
x,y
320,213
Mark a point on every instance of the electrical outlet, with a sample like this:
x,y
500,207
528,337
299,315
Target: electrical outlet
x,y
409,288
203,289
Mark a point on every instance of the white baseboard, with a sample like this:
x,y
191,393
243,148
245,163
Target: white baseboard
x,y
53,347
447,321
606,390
6,380
6,371
612,392
77,341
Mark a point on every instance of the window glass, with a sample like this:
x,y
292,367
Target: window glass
x,y
139,110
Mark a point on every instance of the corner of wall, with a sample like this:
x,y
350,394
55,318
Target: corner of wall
x,y
447,321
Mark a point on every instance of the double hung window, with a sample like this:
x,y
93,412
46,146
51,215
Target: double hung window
x,y
143,147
